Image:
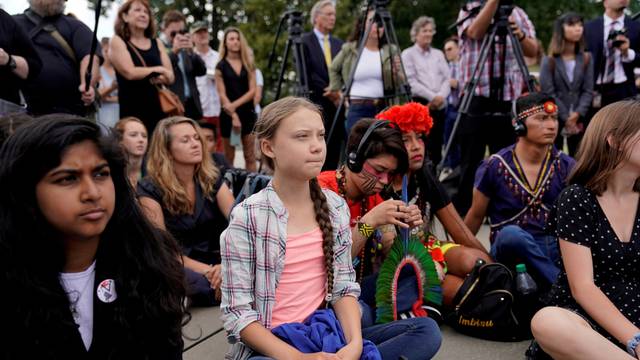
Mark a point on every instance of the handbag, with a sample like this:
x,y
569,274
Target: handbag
x,y
170,103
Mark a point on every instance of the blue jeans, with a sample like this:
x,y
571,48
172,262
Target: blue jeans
x,y
357,112
453,157
415,338
513,245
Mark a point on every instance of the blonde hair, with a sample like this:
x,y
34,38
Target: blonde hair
x,y
265,129
606,145
161,171
244,48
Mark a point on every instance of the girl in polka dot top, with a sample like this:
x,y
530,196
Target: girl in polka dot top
x,y
596,312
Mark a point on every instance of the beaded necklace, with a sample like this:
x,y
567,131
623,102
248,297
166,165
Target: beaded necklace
x,y
541,174
341,180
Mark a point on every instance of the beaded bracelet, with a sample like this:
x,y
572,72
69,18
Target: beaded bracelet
x,y
632,344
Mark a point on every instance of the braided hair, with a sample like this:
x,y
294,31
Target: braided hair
x,y
322,218
265,128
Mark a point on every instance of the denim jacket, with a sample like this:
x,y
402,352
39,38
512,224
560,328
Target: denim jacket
x,y
253,257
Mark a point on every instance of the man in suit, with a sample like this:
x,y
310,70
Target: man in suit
x,y
320,48
187,65
613,61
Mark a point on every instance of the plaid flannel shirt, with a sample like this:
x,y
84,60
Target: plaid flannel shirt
x,y
253,256
454,96
470,53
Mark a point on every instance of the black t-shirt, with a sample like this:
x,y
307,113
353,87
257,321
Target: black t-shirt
x,y
426,191
55,89
197,233
15,41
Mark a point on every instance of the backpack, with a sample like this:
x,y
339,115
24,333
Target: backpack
x,y
485,305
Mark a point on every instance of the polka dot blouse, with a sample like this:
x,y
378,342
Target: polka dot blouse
x,y
616,265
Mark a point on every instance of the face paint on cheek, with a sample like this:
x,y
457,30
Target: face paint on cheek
x,y
369,182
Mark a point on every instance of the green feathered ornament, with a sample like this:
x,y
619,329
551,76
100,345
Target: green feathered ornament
x,y
409,253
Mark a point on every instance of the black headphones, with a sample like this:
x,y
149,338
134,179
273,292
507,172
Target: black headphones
x,y
355,159
519,127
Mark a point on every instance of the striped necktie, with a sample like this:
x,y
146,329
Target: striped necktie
x,y
610,69
327,50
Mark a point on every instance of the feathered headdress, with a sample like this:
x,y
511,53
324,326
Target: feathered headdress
x,y
411,116
408,258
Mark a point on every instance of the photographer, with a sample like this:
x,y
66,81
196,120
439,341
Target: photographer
x,y
499,83
186,63
614,41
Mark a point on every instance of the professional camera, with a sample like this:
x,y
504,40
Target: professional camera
x,y
181,32
613,34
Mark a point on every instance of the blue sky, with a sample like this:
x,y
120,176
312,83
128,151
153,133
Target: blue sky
x,y
78,7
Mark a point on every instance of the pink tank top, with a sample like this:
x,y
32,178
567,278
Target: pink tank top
x,y
302,286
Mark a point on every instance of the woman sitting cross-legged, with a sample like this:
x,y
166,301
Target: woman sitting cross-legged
x,y
287,252
596,313
185,194
454,259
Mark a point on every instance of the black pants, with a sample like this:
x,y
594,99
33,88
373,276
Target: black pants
x,y
436,134
191,109
334,144
615,92
487,123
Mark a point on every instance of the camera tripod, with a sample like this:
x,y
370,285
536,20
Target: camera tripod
x,y
294,41
399,84
497,34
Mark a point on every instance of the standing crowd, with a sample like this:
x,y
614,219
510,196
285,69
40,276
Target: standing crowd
x,y
122,204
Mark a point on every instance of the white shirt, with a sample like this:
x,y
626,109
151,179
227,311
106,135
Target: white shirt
x,y
320,36
570,67
209,98
428,72
367,81
79,288
619,75
259,84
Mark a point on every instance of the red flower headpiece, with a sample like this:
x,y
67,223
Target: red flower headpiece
x,y
411,116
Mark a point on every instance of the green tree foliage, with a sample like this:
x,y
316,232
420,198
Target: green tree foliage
x,y
259,19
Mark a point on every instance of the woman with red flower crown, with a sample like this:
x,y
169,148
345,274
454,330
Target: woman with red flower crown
x,y
454,259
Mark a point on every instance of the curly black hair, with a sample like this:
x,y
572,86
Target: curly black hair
x,y
144,261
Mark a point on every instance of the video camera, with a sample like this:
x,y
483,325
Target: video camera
x,y
613,34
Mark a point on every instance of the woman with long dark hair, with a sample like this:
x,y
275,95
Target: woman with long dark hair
x,y
567,75
83,273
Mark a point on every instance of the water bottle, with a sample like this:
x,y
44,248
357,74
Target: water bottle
x,y
524,282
